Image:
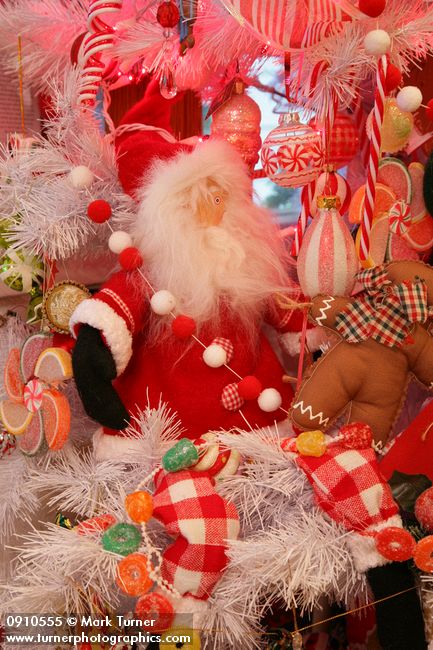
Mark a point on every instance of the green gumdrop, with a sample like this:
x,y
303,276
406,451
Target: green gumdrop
x,y
182,455
122,539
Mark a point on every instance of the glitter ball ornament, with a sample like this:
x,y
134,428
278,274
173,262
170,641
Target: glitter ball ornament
x,y
269,400
238,122
311,443
377,42
133,576
343,140
118,241
162,302
81,177
183,327
357,435
395,544
409,99
167,14
139,506
397,126
99,211
423,555
292,153
130,259
327,260
122,539
155,607
424,510
182,455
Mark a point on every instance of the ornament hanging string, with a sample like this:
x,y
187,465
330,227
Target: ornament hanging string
x,y
21,85
374,158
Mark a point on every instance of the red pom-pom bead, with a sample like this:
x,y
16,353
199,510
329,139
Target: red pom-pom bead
x,y
357,435
395,544
372,8
393,78
429,110
424,510
249,387
183,327
168,14
155,606
99,211
130,259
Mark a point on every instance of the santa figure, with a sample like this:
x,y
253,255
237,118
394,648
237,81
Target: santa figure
x,y
187,328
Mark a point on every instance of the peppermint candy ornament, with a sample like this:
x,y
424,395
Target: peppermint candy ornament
x,y
400,218
33,392
292,153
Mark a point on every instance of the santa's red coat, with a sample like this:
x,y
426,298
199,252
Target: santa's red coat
x,y
173,371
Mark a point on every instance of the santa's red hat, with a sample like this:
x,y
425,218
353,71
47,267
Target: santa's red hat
x,y
138,149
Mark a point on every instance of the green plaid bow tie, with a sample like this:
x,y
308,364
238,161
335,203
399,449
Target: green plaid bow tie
x,y
386,311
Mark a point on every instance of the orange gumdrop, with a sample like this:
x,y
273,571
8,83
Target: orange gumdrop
x,y
139,506
423,555
133,575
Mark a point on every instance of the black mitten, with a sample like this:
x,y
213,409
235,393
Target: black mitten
x,y
400,624
94,370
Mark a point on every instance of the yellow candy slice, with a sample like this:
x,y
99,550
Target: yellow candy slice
x,y
311,443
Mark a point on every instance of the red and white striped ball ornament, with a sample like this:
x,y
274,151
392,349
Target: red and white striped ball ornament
x,y
331,183
327,261
292,154
343,140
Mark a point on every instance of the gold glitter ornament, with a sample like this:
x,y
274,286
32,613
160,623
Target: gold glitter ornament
x,y
20,271
297,641
238,122
60,302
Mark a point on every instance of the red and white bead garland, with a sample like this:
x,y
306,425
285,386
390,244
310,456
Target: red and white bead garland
x,y
216,355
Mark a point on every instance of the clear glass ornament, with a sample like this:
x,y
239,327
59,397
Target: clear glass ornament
x,y
167,82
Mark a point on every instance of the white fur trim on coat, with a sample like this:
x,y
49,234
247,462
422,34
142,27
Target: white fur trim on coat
x,y
363,548
98,314
121,448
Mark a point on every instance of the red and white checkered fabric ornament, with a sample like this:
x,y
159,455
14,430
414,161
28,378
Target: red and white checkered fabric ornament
x,y
226,345
187,504
400,218
230,398
349,486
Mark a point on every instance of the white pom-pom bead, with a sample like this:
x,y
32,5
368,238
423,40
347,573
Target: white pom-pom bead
x,y
162,302
118,241
215,356
81,177
377,42
409,99
269,400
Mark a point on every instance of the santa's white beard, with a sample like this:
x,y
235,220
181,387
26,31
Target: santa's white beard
x,y
237,264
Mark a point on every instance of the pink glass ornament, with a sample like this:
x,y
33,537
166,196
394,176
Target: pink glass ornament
x,y
238,122
343,140
292,153
327,260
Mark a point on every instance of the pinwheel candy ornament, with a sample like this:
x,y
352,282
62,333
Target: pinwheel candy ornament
x,y
36,411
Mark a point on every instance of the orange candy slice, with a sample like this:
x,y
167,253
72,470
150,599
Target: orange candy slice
x,y
423,555
56,415
133,576
54,365
15,417
384,200
420,234
12,376
139,506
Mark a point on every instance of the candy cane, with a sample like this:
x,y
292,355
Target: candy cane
x,y
374,158
100,38
306,199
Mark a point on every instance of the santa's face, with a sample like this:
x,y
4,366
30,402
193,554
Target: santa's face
x,y
211,207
